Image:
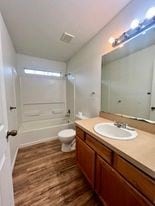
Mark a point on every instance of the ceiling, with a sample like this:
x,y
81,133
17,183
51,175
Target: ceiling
x,y
36,26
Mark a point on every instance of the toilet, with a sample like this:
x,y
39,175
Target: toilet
x,y
67,136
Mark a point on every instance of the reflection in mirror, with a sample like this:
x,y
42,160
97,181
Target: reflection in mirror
x,y
128,78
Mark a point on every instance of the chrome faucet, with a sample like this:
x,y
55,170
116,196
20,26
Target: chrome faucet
x,y
120,124
123,125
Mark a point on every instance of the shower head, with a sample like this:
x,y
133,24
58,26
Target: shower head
x,y
69,76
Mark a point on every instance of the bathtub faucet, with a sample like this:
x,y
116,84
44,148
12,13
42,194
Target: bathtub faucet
x,y
68,113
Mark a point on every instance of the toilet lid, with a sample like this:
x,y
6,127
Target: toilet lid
x,y
67,133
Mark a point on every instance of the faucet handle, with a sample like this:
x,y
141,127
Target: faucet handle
x,y
124,125
117,124
120,124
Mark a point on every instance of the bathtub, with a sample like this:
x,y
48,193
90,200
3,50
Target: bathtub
x,y
33,132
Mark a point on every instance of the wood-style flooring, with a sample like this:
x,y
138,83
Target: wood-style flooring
x,y
44,176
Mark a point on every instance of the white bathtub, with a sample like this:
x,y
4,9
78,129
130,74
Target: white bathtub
x,y
38,131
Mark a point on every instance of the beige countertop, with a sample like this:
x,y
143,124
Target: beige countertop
x,y
139,151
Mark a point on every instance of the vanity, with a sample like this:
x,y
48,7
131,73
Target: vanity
x,y
118,161
121,172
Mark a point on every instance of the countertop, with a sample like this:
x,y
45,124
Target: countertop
x,y
139,151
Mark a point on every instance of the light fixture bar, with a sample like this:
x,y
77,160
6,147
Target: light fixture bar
x,y
144,26
136,28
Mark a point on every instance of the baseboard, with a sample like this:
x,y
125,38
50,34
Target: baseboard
x,y
14,159
38,141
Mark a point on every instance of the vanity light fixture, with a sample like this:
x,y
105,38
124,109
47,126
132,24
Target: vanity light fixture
x,y
136,29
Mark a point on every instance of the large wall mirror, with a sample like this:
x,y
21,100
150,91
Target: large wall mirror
x,y
128,78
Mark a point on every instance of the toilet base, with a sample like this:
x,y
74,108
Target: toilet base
x,y
67,147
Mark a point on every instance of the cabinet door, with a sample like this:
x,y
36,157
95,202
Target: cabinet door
x,y
86,160
113,189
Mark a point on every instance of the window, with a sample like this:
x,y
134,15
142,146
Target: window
x,y
43,73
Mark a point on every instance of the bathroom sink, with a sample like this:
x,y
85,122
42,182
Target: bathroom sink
x,y
111,131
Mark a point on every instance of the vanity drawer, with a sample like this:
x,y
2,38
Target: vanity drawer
x,y
80,133
100,149
136,177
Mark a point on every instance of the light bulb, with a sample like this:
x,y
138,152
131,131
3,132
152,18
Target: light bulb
x,y
135,24
150,13
111,40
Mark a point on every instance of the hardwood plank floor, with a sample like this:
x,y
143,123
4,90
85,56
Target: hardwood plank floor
x,y
44,176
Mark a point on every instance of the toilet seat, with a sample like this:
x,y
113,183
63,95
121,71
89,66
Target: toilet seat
x,y
66,133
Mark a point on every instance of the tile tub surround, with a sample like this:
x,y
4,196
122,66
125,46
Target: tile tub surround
x,y
139,151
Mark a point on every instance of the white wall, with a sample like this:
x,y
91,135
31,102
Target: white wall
x,y
41,97
24,61
86,64
9,63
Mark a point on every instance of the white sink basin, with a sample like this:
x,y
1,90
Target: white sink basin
x,y
111,131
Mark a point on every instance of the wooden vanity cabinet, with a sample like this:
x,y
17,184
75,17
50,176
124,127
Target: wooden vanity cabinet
x,y
80,133
99,148
136,177
113,189
116,181
86,160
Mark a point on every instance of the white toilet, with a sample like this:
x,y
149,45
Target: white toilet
x,y
67,138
